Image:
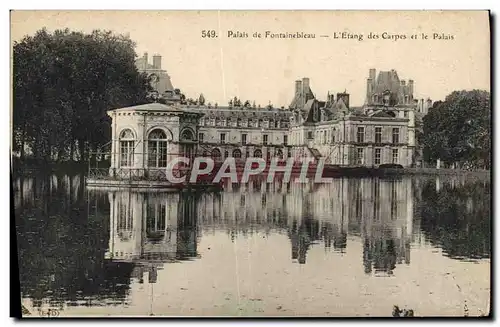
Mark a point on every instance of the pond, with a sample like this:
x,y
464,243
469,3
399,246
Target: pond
x,y
353,247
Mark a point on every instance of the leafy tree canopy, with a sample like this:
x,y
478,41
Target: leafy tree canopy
x,y
64,82
458,130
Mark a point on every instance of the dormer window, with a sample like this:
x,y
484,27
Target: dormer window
x,y
387,97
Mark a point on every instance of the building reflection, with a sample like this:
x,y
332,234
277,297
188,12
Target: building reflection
x,y
380,211
151,229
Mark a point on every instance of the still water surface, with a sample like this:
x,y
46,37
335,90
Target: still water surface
x,y
354,247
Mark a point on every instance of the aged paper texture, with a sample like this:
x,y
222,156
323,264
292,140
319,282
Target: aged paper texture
x,y
252,163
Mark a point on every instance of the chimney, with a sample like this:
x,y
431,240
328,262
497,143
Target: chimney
x,y
428,105
157,61
369,90
145,57
372,74
298,87
305,84
410,86
345,97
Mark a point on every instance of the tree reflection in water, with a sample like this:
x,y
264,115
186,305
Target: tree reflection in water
x,y
85,249
457,218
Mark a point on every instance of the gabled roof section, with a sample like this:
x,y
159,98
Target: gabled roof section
x,y
151,107
387,81
380,113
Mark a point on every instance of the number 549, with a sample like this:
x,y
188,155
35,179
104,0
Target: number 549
x,y
208,33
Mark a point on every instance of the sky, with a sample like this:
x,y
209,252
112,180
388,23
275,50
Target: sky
x,y
264,70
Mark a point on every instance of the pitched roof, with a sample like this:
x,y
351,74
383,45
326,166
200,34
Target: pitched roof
x,y
154,106
387,81
380,113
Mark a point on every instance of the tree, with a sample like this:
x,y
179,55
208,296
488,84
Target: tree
x,y
63,84
458,130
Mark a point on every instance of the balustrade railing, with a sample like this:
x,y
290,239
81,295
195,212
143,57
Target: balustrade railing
x,y
148,174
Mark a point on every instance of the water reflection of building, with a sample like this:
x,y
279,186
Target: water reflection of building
x,y
385,208
149,229
379,211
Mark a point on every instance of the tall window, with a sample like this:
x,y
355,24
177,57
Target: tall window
x,y
223,138
395,135
127,145
394,203
125,220
156,218
157,148
377,156
265,139
361,135
378,135
376,198
310,135
243,139
201,137
360,156
285,139
395,156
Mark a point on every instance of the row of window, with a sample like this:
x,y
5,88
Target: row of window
x,y
386,99
360,135
324,136
360,156
243,139
236,153
243,123
157,153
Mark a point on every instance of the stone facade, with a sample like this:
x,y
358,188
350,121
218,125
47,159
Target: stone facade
x,y
242,132
381,131
151,135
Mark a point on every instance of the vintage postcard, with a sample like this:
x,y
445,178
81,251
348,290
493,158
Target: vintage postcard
x,y
252,163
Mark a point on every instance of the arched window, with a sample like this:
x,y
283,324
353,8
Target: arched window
x,y
238,122
216,153
127,145
237,153
257,153
157,148
280,154
187,135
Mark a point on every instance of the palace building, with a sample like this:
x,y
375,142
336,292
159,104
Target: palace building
x,y
381,131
